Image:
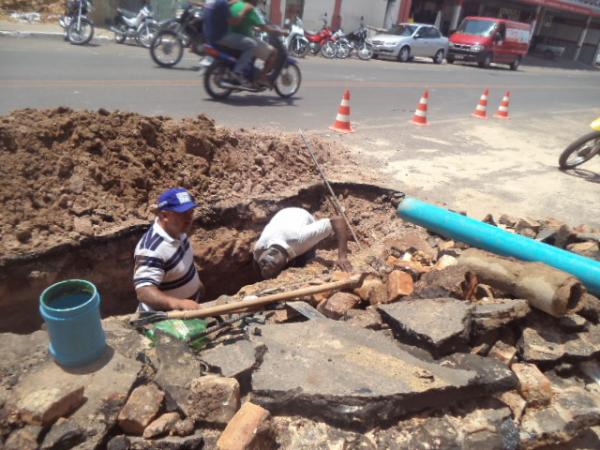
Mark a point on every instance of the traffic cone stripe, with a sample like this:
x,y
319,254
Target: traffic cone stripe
x,y
481,108
503,109
420,116
342,119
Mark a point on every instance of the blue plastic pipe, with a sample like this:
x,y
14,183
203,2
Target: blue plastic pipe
x,y
500,242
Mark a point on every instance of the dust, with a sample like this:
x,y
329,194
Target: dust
x,y
65,175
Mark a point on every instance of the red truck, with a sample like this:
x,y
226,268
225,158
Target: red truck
x,y
487,40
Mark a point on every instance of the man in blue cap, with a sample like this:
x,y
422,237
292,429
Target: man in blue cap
x,y
165,277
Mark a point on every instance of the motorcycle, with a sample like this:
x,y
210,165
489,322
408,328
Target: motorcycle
x,y
176,34
355,41
78,28
317,40
583,149
219,82
141,26
295,41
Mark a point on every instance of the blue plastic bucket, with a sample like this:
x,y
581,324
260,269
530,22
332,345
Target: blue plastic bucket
x,y
71,310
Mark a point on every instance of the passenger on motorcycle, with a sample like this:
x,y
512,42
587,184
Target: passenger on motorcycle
x,y
217,21
252,20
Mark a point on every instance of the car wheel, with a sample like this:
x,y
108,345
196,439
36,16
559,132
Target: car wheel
x,y
486,61
515,64
439,57
404,54
450,59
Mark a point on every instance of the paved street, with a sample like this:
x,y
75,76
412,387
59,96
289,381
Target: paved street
x,y
480,166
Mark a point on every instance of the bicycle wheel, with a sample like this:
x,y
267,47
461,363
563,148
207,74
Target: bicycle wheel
x,y
580,151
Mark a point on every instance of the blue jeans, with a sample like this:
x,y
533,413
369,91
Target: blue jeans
x,y
245,44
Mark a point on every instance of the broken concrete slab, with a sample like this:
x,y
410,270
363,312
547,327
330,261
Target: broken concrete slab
x,y
64,434
123,338
492,314
572,411
447,282
192,442
441,325
365,318
544,344
381,381
212,399
107,383
534,386
503,352
141,409
45,405
233,360
301,433
22,354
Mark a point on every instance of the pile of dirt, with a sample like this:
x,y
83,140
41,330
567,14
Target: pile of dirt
x,y
66,174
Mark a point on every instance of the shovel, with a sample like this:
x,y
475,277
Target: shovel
x,y
246,304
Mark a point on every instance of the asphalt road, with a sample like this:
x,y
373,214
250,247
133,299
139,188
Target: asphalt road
x,y
467,164
48,73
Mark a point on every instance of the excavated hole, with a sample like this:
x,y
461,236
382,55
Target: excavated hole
x,y
222,238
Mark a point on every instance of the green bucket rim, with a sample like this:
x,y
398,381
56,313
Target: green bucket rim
x,y
47,292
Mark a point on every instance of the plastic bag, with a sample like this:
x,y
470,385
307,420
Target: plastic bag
x,y
183,330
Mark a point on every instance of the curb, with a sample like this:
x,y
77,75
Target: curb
x,y
45,35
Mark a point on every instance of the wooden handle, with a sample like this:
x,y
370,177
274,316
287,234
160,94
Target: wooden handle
x,y
267,299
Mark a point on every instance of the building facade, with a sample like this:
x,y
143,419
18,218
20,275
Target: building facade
x,y
570,26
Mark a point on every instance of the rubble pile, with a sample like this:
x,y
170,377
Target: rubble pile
x,y
438,346
420,354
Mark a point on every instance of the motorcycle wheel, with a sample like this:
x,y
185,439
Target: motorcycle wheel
x,y
166,48
212,81
328,50
342,51
299,48
82,34
365,52
314,48
147,35
580,151
120,37
288,81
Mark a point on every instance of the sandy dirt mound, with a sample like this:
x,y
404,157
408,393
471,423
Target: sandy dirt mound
x,y
67,174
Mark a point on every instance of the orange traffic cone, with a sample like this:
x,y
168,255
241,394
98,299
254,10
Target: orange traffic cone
x,y
420,115
481,109
503,109
342,120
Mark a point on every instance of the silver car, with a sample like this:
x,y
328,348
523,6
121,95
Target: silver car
x,y
406,40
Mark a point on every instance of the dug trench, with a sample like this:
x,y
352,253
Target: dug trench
x,y
432,350
222,238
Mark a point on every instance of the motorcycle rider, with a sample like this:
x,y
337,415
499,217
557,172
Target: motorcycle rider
x,y
217,22
252,20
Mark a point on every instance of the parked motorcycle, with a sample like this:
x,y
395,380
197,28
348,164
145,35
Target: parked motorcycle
x,y
140,26
319,39
176,34
355,42
220,83
78,27
295,41
583,149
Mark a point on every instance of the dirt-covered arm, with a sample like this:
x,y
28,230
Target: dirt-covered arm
x,y
341,233
158,300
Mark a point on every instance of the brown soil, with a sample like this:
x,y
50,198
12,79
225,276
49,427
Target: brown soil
x,y
39,6
65,175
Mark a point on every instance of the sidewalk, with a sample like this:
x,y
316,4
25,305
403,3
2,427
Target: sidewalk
x,y
43,29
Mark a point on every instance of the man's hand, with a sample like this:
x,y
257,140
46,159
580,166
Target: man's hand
x,y
185,304
344,265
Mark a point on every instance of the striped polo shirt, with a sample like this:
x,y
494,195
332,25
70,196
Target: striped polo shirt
x,y
166,263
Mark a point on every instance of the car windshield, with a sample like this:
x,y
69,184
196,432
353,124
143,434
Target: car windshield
x,y
402,30
477,27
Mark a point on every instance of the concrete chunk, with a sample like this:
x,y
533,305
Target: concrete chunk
x,y
493,314
141,408
399,284
162,425
336,306
441,325
377,382
46,405
534,386
231,360
212,399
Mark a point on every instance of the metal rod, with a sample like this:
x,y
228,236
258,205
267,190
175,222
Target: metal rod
x,y
333,198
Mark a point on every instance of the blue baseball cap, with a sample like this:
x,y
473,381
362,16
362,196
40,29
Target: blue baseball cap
x,y
176,199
